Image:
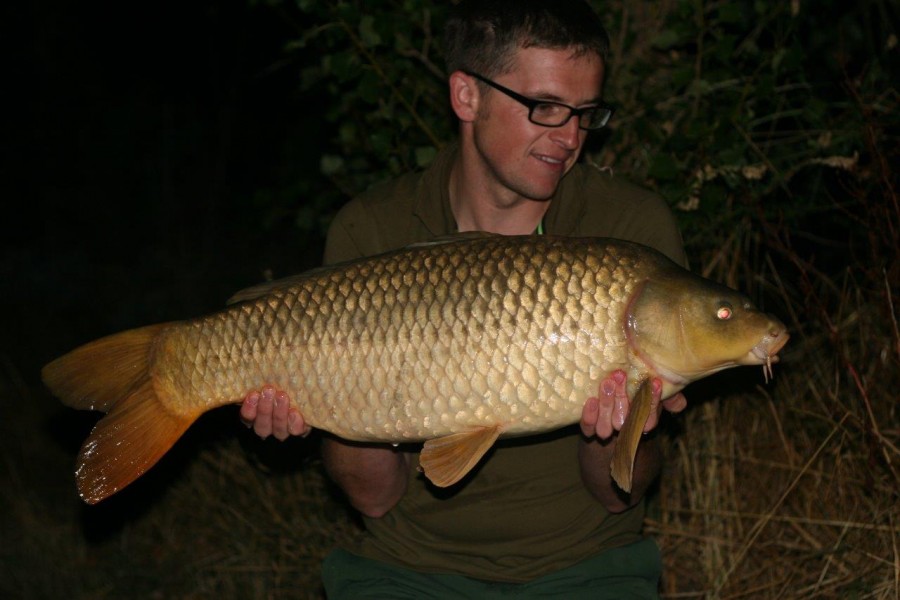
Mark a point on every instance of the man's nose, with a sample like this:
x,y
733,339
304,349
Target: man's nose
x,y
567,135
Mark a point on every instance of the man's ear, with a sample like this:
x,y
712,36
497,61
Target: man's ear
x,y
464,96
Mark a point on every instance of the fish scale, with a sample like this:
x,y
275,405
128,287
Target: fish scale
x,y
342,346
453,343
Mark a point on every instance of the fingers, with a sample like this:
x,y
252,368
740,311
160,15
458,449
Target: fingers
x,y
604,429
619,398
280,408
589,416
287,420
597,414
264,409
248,408
268,412
606,414
595,417
676,403
622,404
296,424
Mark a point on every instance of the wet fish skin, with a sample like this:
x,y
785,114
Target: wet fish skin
x,y
415,345
472,338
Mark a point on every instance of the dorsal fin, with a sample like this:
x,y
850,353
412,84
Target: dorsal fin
x,y
264,289
450,238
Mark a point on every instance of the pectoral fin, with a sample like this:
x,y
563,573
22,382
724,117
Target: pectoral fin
x,y
622,466
446,460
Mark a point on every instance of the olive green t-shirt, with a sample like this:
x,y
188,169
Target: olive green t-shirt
x,y
523,512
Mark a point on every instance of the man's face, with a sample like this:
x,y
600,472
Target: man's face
x,y
522,158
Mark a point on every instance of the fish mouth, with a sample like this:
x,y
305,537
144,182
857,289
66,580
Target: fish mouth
x,y
766,350
765,353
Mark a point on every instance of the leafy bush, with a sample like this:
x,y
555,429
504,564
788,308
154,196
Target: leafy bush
x,y
732,111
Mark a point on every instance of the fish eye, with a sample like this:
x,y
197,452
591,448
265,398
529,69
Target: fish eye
x,y
724,312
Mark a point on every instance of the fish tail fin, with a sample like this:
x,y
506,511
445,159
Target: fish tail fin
x,y
112,374
126,442
97,375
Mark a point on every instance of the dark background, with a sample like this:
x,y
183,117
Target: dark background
x,y
140,146
139,140
141,143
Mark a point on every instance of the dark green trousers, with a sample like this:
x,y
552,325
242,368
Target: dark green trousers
x,y
628,573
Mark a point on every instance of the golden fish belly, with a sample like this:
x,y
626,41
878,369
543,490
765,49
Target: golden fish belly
x,y
415,345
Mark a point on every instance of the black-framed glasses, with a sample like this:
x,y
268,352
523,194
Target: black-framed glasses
x,y
555,114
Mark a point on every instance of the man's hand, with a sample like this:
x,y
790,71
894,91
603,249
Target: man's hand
x,y
374,476
601,417
605,414
269,412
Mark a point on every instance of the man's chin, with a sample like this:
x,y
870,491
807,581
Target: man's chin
x,y
540,190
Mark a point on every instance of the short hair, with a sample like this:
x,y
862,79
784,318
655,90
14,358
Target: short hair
x,y
483,36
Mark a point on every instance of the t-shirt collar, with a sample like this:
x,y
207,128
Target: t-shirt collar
x,y
436,214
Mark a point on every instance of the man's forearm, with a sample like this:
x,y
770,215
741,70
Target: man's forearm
x,y
374,477
594,457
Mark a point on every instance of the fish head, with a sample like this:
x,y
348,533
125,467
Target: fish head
x,y
685,327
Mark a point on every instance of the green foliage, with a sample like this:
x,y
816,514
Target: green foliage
x,y
380,72
738,110
741,114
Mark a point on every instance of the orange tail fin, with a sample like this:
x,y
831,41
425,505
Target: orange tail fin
x,y
112,374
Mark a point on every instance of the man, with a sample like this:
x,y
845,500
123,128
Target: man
x,y
540,515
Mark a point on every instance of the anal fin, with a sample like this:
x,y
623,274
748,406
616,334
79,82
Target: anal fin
x,y
622,464
447,459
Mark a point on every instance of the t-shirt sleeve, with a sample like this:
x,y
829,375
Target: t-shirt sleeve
x,y
378,220
350,235
619,209
660,230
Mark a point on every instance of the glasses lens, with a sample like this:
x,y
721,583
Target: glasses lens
x,y
550,114
595,118
553,114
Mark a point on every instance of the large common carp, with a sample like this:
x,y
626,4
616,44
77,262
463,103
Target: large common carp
x,y
453,343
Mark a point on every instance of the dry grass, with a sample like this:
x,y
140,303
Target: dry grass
x,y
774,497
